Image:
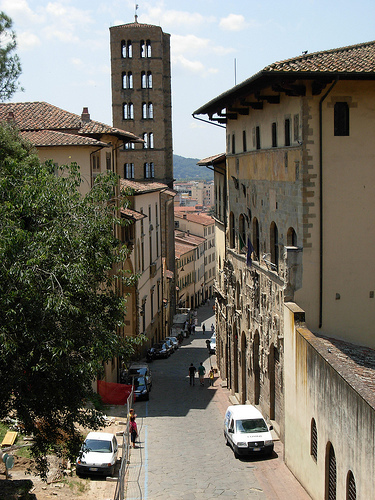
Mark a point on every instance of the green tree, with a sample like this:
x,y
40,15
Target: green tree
x,y
58,304
10,66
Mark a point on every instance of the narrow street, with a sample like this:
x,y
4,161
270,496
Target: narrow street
x,y
181,452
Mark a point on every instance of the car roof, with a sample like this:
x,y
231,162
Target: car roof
x,y
138,365
100,436
244,411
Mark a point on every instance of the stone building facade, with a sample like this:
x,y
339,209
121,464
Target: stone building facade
x,y
141,100
300,189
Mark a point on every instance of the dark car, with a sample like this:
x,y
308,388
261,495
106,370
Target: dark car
x,y
140,388
169,345
141,370
160,350
174,342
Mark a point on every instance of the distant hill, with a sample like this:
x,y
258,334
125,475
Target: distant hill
x,y
186,169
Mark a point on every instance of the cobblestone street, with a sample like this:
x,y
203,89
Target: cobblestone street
x,y
181,452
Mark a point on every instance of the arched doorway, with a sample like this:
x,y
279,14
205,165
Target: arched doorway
x,y
256,368
243,368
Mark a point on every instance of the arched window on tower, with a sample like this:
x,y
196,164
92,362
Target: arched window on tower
x,y
127,80
149,80
126,49
143,80
128,111
151,140
150,111
148,48
142,48
145,138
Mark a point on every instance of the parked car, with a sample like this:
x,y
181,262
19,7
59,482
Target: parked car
x,y
141,390
246,431
160,350
174,341
169,345
98,454
141,369
213,344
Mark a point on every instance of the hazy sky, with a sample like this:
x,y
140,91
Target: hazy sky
x,y
65,55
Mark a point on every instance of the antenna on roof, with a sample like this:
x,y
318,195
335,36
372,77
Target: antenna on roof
x,y
235,71
135,13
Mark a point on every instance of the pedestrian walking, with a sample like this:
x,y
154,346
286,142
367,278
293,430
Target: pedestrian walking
x,y
211,376
212,328
133,430
201,372
208,342
203,328
192,371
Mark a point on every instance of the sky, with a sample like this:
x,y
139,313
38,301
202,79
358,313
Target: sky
x,y
65,55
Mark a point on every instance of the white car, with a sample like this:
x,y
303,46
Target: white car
x,y
98,454
174,342
246,431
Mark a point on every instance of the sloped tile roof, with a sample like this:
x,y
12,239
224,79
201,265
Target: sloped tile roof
x,y
29,116
188,238
212,159
132,214
142,187
203,219
351,59
351,62
45,138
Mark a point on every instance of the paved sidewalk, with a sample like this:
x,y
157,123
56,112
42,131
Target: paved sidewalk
x,y
181,453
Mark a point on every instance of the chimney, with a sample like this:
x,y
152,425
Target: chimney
x,y
10,117
85,116
188,233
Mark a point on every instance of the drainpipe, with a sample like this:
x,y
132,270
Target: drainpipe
x,y
321,201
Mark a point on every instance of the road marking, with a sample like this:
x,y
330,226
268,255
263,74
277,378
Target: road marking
x,y
146,456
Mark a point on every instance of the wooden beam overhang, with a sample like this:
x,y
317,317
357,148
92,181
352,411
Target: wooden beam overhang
x,y
240,111
290,89
318,86
252,104
218,119
271,99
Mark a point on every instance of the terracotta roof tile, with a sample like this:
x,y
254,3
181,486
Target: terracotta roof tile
x,y
132,214
29,116
204,219
351,59
212,159
142,187
188,238
356,364
44,138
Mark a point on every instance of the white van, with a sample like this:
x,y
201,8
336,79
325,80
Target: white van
x,y
246,431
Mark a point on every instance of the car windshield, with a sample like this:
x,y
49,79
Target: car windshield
x,y
253,425
97,445
136,371
139,381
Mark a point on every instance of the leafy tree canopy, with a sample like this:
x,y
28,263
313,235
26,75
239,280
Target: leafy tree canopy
x,y
58,303
10,66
